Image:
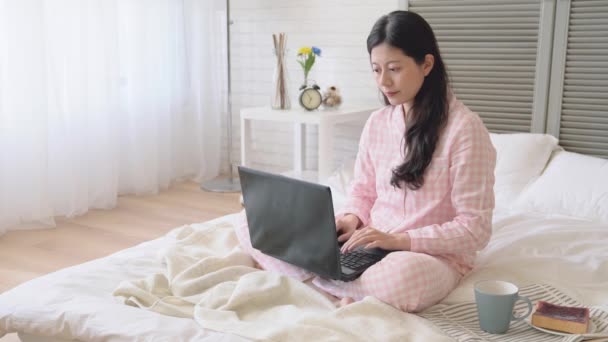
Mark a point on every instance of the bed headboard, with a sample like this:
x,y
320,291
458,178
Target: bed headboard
x,y
528,66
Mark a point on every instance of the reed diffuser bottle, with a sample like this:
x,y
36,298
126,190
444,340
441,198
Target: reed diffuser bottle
x,y
280,92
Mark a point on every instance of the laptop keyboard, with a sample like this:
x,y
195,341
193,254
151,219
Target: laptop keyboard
x,y
357,259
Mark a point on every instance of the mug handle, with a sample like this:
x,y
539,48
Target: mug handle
x,y
525,299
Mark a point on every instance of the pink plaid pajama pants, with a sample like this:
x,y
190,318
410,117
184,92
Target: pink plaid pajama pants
x,y
408,281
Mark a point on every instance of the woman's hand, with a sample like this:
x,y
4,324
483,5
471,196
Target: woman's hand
x,y
370,237
346,226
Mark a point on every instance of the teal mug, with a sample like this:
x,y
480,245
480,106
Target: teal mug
x,y
495,301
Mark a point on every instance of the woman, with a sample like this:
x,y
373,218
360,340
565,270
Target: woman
x,y
423,182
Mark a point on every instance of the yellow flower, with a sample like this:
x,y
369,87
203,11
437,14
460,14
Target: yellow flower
x,y
304,50
306,58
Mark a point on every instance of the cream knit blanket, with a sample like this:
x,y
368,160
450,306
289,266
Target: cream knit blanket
x,y
208,278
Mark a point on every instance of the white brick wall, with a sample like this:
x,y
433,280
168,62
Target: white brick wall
x,y
339,28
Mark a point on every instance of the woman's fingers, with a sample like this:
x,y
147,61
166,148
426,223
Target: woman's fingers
x,y
347,245
343,236
344,232
388,242
373,244
358,238
371,238
345,228
384,244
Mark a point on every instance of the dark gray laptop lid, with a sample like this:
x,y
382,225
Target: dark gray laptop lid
x,y
291,220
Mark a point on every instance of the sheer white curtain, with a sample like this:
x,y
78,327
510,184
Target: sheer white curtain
x,y
105,97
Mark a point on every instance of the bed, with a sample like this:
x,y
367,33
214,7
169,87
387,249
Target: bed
x,y
195,284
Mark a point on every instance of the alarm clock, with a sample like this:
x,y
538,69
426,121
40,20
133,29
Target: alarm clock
x,y
310,97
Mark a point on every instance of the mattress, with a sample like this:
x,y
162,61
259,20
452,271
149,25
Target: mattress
x,y
78,302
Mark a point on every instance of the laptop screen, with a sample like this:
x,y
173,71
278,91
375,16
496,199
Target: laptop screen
x,y
291,220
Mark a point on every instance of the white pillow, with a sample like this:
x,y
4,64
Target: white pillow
x,y
339,182
572,184
520,159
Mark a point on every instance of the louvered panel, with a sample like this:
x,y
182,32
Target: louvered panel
x,y
490,49
491,81
498,99
587,93
583,113
582,124
587,21
519,128
489,57
578,75
584,116
584,45
484,88
501,110
575,84
469,65
574,136
475,96
500,116
582,28
504,121
491,63
593,98
571,104
489,24
589,58
600,121
589,5
587,63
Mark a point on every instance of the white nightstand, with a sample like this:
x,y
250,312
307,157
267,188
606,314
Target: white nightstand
x,y
324,119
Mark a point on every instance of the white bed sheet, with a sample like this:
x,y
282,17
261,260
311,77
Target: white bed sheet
x,y
568,253
77,302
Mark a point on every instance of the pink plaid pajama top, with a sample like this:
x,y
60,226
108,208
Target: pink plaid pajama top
x,y
448,219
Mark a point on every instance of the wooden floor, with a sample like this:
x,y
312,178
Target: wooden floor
x,y
28,254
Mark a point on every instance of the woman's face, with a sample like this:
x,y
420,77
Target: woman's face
x,y
398,76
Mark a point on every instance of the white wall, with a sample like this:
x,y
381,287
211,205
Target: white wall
x,y
339,28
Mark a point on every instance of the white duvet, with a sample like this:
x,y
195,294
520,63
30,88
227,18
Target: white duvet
x,y
78,302
211,280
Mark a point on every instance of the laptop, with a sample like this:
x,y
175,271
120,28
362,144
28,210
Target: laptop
x,y
293,220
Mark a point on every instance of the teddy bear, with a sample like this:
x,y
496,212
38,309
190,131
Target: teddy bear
x,y
331,97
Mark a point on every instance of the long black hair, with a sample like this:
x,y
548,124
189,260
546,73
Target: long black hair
x,y
409,32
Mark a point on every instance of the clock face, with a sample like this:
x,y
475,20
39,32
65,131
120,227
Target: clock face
x,y
310,98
